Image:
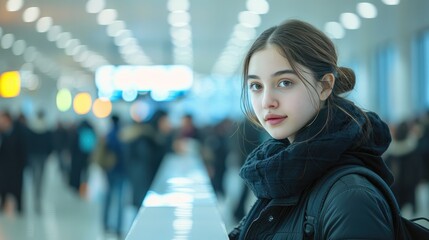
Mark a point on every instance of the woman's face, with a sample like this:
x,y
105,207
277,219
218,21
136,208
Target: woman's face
x,y
283,103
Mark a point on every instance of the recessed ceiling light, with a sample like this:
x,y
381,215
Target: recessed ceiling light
x,y
31,14
350,21
14,5
367,10
391,2
334,30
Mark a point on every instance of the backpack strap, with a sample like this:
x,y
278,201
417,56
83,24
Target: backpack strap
x,y
319,192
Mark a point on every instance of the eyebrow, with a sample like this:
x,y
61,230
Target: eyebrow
x,y
276,74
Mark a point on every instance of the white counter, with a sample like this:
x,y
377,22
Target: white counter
x,y
181,204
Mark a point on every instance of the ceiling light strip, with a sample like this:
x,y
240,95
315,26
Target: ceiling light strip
x,y
351,21
180,31
243,34
32,58
124,39
64,40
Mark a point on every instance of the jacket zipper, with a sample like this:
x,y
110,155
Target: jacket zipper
x,y
251,224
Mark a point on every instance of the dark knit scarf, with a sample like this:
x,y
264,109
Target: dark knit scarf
x,y
278,169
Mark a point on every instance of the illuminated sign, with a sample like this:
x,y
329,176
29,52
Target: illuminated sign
x,y
115,82
10,84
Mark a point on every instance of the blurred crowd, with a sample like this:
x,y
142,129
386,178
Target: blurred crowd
x,y
130,153
408,158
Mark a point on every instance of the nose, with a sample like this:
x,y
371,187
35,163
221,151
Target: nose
x,y
269,99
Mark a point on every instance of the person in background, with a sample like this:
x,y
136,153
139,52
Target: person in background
x,y
423,145
61,143
40,146
83,143
292,88
115,179
221,146
145,145
13,156
187,137
404,159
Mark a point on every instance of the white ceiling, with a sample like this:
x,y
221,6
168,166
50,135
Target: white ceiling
x,y
212,22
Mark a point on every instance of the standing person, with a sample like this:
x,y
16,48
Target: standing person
x,y
221,147
40,146
291,88
404,158
13,156
145,145
83,143
61,142
115,178
188,137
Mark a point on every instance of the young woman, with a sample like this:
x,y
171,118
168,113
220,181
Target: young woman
x,y
292,88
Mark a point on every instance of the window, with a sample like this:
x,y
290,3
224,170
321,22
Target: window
x,y
421,57
361,94
384,61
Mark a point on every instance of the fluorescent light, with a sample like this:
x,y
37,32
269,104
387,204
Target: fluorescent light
x,y
350,21
115,27
107,16
179,18
31,14
249,19
334,30
7,40
95,6
43,24
14,5
258,6
178,5
391,2
367,10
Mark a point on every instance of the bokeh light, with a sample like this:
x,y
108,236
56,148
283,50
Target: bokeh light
x,y
10,84
64,100
102,107
82,103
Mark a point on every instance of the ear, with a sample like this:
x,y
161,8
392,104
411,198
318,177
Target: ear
x,y
327,83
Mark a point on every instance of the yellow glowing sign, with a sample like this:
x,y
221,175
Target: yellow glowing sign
x,y
82,103
10,84
102,108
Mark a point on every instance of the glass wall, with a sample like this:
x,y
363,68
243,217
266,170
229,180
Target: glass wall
x,y
384,62
421,70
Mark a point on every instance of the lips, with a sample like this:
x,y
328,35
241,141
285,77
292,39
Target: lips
x,y
273,119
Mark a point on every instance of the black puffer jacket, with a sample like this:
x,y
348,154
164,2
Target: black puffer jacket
x,y
354,209
280,174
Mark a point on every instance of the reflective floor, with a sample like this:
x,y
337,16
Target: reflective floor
x,y
65,215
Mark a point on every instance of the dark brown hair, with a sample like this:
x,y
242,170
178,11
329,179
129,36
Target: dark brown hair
x,y
302,45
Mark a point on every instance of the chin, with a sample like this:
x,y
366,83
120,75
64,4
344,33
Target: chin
x,y
277,136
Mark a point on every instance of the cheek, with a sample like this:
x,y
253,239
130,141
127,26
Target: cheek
x,y
256,105
302,104
308,108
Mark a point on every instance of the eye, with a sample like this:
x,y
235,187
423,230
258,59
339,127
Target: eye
x,y
285,83
253,86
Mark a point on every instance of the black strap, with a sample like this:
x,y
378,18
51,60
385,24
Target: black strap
x,y
320,190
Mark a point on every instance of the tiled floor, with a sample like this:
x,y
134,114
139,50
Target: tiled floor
x,y
65,215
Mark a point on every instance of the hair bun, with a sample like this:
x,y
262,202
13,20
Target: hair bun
x,y
345,80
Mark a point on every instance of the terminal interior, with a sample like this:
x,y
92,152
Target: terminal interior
x,y
86,61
